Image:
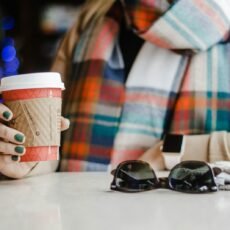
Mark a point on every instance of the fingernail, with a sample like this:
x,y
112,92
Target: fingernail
x,y
68,122
19,149
18,137
15,158
6,114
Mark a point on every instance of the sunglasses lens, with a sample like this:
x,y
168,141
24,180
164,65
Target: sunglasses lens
x,y
192,176
135,176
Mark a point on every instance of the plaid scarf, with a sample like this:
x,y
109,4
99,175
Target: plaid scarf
x,y
179,81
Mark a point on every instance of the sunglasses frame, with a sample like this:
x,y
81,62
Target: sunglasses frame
x,y
161,182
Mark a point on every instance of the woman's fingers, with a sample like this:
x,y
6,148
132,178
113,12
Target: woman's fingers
x,y
11,135
8,159
154,157
6,132
11,167
64,123
5,113
12,149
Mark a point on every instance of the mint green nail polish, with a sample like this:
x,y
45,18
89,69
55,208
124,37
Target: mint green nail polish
x,y
19,149
6,114
18,137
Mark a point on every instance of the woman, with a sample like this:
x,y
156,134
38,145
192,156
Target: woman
x,y
135,71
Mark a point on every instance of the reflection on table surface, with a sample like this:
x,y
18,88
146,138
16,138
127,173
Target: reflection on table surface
x,y
83,201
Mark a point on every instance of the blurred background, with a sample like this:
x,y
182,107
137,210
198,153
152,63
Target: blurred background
x,y
31,32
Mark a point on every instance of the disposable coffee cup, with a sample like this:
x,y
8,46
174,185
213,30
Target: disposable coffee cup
x,y
35,100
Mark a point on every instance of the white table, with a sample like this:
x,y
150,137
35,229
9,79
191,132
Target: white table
x,y
83,201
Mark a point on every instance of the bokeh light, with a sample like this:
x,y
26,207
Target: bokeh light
x,y
1,72
13,65
9,63
8,53
7,41
8,23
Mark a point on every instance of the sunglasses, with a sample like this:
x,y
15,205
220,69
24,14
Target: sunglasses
x,y
187,176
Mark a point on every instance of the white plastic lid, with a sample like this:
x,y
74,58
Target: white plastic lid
x,y
32,80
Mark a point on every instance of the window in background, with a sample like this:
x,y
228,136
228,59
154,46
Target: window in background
x,y
54,21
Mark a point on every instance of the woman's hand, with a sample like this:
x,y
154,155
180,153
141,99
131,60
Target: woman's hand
x,y
11,147
154,157
64,123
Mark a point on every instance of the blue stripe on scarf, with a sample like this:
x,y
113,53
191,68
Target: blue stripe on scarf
x,y
112,74
105,118
209,120
223,67
209,70
154,116
207,33
103,135
222,114
223,117
181,31
97,166
97,159
140,131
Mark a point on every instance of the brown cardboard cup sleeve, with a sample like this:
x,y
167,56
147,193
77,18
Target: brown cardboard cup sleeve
x,y
39,119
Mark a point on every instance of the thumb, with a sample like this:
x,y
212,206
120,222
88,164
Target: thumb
x,y
64,123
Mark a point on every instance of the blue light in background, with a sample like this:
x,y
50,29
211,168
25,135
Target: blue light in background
x,y
10,73
7,41
8,53
8,23
9,63
12,65
1,75
1,72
